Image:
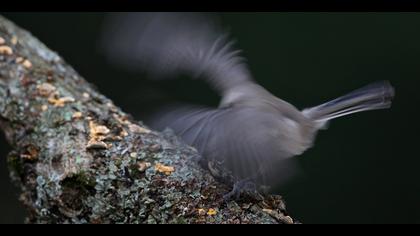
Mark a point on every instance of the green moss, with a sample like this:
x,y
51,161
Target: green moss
x,y
15,164
180,220
81,179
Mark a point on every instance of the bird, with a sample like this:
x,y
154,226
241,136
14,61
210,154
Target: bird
x,y
252,138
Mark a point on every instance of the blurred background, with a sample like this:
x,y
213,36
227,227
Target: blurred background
x,y
363,169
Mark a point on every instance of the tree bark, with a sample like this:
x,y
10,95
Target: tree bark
x,y
78,158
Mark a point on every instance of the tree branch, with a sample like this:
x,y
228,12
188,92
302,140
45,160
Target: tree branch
x,y
79,159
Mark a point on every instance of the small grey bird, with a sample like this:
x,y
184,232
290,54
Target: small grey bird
x,y
250,139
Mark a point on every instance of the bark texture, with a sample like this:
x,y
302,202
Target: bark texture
x,y
79,159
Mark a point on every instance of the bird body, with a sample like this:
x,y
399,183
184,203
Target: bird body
x,y
252,135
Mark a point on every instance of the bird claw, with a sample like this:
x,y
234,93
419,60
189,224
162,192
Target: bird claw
x,y
239,188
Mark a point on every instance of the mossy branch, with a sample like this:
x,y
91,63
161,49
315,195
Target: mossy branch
x,y
79,159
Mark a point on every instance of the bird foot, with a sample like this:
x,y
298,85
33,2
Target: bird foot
x,y
239,188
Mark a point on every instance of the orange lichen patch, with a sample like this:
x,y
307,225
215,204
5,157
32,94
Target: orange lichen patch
x,y
2,41
138,129
61,101
124,133
121,120
288,219
28,157
265,205
31,153
97,135
14,40
164,169
246,206
201,211
6,50
46,89
86,95
211,212
268,211
111,107
27,64
143,165
154,147
77,115
96,144
98,130
19,59
279,216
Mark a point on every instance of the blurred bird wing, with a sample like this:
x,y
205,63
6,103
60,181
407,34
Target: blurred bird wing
x,y
239,141
166,44
192,123
253,147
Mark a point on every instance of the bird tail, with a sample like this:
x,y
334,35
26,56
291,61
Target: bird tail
x,y
377,95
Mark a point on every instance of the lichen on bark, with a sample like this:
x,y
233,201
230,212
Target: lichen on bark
x,y
78,158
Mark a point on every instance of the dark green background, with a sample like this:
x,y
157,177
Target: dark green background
x,y
363,169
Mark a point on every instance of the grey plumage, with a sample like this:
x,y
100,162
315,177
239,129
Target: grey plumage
x,y
252,135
